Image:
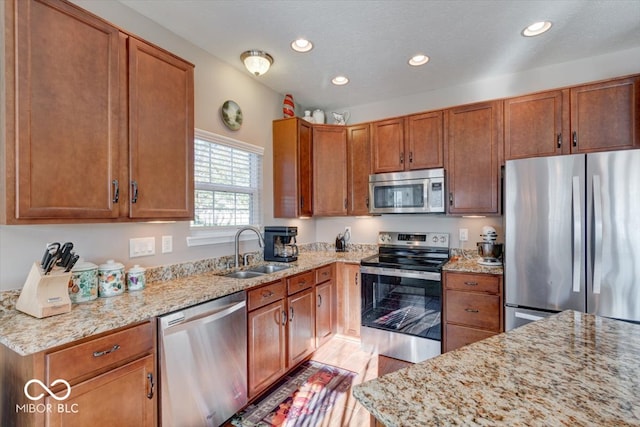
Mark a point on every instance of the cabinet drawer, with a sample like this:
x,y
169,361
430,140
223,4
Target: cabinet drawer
x,y
265,295
473,282
473,309
300,282
82,360
459,336
324,273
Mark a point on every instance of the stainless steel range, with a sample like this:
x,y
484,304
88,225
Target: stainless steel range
x,y
402,295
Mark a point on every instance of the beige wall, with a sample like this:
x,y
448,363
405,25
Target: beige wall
x,y
216,82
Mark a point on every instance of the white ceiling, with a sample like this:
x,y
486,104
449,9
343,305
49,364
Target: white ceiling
x,y
371,41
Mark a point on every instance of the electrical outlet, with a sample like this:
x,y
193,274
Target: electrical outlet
x,y
464,234
167,244
142,246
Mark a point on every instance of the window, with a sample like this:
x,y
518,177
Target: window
x,y
228,182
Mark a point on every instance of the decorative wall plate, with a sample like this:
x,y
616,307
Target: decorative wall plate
x,y
231,115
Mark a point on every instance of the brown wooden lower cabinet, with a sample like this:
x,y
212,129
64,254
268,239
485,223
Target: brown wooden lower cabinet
x,y
349,299
472,309
122,397
386,365
266,345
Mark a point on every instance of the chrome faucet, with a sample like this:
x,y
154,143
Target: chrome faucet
x,y
237,241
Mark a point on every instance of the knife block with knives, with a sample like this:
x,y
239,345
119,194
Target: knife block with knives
x,y
45,294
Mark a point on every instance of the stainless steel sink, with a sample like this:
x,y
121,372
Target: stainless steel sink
x,y
244,274
269,268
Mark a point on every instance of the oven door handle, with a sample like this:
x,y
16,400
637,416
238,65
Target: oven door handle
x,y
396,272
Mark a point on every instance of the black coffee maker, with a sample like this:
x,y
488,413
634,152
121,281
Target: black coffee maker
x,y
280,244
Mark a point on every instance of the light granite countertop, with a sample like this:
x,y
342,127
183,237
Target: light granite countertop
x,y
467,262
571,369
26,335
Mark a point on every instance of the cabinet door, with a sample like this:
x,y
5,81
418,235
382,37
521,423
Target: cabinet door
x,y
358,169
324,312
67,111
425,141
301,326
474,143
388,145
267,351
124,396
349,299
536,125
329,170
161,133
292,168
606,116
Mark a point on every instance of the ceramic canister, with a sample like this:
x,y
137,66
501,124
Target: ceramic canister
x,y
135,278
110,279
83,283
288,108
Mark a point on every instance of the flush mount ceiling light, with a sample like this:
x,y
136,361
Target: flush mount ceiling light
x,y
301,45
418,60
536,28
339,80
256,61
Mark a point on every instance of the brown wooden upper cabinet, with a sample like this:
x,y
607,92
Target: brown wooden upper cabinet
x,y
292,168
330,170
67,145
408,143
358,168
474,143
605,116
595,117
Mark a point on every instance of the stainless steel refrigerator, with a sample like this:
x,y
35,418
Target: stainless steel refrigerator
x,y
572,236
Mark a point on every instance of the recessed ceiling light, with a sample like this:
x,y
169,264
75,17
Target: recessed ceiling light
x,y
301,45
340,80
419,59
536,28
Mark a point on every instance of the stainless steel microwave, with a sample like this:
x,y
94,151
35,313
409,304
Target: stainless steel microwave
x,y
420,191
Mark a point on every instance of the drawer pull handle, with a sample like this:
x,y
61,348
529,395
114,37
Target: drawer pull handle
x,y
471,283
302,283
471,310
283,317
319,300
291,314
151,386
103,352
267,294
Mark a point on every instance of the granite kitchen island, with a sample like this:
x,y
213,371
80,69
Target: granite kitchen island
x,y
570,369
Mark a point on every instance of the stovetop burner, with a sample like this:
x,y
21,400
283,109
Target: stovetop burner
x,y
410,251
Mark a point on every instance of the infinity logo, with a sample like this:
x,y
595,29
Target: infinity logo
x,y
58,381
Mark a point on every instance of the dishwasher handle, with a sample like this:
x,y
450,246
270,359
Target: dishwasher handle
x,y
207,317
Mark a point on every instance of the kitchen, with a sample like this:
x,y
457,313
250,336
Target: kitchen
x,y
261,106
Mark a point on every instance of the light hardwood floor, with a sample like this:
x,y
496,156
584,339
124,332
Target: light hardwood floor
x,y
345,353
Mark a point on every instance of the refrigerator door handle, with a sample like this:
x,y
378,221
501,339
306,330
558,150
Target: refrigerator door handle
x,y
577,234
597,234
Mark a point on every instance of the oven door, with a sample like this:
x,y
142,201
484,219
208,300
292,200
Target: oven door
x,y
401,313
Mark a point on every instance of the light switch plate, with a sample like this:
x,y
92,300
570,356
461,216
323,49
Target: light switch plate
x,y
167,244
142,246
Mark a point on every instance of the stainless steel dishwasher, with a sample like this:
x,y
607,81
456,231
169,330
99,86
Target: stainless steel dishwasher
x,y
203,362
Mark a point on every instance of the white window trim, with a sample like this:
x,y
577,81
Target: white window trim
x,y
220,235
